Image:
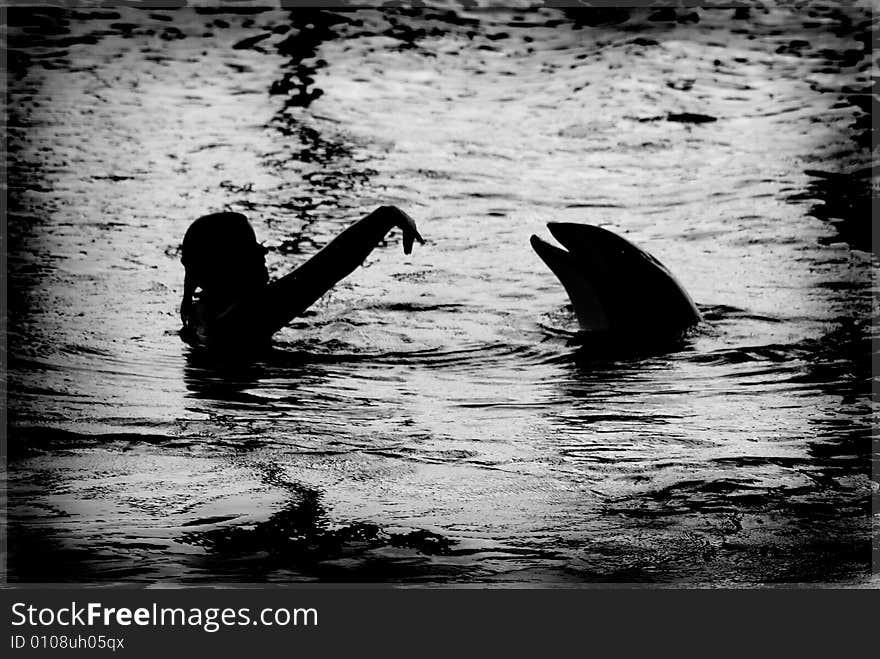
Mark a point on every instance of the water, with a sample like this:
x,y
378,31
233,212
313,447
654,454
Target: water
x,y
435,418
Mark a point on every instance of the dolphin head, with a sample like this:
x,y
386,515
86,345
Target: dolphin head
x,y
613,285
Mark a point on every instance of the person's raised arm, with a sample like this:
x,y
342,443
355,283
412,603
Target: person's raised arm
x,y
291,295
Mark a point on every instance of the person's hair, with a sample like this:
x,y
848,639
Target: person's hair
x,y
222,257
215,244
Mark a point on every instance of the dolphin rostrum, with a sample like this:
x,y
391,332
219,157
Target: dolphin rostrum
x,y
614,286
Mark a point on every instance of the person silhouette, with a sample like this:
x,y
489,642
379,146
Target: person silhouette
x,y
229,301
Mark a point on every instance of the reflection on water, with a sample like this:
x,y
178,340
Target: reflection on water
x,y
438,418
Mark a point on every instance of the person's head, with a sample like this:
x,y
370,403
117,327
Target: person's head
x,y
220,253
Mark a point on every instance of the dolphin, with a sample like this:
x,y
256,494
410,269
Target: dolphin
x,y
615,287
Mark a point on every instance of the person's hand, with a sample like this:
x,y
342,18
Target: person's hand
x,y
406,224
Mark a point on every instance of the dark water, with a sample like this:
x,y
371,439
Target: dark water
x,y
435,418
